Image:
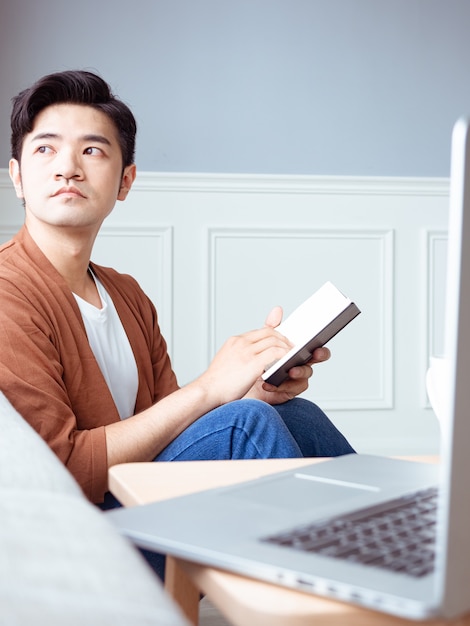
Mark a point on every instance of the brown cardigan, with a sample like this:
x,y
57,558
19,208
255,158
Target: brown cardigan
x,y
47,369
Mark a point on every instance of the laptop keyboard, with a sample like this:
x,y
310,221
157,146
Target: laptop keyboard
x,y
399,535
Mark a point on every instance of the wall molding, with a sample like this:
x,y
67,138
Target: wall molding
x,y
274,183
433,299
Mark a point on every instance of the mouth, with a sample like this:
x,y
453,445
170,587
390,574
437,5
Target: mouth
x,y
68,192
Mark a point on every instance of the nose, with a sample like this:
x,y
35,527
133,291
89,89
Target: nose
x,y
68,166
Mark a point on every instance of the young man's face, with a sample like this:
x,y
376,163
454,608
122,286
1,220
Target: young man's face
x,y
70,173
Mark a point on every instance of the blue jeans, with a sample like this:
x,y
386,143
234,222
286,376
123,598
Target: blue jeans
x,y
251,429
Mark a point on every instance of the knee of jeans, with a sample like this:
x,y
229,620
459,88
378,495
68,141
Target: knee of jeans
x,y
252,409
300,404
253,405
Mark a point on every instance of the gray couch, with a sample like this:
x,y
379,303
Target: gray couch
x,y
61,562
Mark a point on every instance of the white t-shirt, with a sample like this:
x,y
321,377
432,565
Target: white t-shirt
x,y
112,349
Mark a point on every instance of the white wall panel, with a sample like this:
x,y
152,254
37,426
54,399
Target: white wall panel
x,y
359,263
435,253
216,252
127,249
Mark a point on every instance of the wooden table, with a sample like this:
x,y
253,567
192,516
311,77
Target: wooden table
x,y
243,601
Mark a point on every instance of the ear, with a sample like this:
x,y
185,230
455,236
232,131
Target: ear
x,y
127,180
15,175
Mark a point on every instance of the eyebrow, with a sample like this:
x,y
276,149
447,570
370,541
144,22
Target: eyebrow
x,y
93,138
97,139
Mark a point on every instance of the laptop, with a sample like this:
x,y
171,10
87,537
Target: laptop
x,y
286,528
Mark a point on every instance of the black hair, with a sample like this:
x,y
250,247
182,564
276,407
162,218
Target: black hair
x,y
74,87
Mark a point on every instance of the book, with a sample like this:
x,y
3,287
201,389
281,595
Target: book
x,y
311,326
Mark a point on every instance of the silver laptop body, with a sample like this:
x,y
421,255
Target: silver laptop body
x,y
232,527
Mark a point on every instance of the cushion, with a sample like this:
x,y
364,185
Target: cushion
x,y
63,563
26,461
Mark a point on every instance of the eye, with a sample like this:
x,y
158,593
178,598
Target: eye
x,y
44,150
93,151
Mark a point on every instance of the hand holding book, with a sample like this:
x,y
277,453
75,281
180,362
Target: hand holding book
x,y
311,326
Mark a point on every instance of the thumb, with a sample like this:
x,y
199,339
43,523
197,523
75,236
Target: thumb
x,y
274,317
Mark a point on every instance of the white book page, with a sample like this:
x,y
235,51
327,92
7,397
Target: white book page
x,y
314,314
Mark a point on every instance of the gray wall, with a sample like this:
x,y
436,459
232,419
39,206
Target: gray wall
x,y
342,87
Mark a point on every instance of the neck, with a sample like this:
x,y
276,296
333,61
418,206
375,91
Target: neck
x,y
69,253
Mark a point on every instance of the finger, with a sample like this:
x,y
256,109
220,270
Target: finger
x,y
263,337
274,317
270,348
320,355
300,371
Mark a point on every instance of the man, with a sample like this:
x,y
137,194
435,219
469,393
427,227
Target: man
x,y
82,356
